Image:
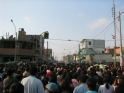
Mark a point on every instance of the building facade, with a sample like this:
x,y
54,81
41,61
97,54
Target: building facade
x,y
91,47
27,47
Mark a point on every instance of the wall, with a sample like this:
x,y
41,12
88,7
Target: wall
x,y
97,45
103,57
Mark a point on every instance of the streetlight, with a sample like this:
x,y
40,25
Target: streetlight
x,y
15,40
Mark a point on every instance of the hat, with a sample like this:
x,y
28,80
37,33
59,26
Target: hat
x,y
52,87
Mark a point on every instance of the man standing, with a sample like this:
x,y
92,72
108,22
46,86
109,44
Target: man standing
x,y
82,88
31,83
7,82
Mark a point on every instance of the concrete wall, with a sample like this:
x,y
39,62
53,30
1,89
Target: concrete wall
x,y
103,57
96,45
99,58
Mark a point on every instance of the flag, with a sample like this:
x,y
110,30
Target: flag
x,y
113,36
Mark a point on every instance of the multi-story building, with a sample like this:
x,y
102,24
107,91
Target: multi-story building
x,y
91,47
68,58
28,47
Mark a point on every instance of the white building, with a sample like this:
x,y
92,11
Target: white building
x,y
93,51
99,58
93,46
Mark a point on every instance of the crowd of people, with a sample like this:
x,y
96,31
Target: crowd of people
x,y
61,78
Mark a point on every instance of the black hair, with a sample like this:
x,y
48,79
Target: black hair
x,y
16,88
53,78
65,91
106,80
33,70
83,78
51,69
99,80
10,72
91,83
59,72
121,78
19,77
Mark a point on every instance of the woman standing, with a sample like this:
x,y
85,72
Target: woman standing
x,y
106,88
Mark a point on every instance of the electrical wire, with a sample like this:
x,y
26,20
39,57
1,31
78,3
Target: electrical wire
x,y
118,5
102,23
104,29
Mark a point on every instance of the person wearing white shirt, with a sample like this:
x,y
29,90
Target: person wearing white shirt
x,y
31,83
106,88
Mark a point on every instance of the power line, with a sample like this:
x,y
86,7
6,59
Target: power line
x,y
102,23
119,4
104,29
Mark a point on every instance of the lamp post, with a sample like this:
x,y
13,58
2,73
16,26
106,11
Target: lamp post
x,y
15,39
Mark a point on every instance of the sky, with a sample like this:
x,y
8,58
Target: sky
x,y
63,19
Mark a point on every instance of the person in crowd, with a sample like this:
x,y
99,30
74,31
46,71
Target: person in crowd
x,y
65,85
49,72
99,73
120,87
0,85
114,82
74,80
82,88
16,88
99,81
19,77
106,88
70,77
45,81
91,85
59,76
26,72
7,82
52,88
31,83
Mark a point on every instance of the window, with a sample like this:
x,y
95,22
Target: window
x,y
89,43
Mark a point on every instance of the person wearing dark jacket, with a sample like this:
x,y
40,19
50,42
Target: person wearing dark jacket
x,y
7,82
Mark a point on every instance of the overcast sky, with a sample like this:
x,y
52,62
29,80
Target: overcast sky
x,y
64,19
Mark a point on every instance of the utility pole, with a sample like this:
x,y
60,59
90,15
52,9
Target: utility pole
x,y
47,51
79,54
113,12
121,55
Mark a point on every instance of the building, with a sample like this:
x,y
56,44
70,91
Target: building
x,y
111,51
28,47
91,47
98,58
68,58
47,55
